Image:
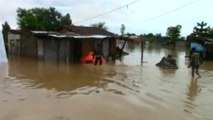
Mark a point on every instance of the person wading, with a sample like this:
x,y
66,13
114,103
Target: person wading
x,y
98,55
194,62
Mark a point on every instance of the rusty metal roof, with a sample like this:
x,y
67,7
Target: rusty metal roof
x,y
83,30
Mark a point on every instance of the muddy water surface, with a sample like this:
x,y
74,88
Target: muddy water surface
x,y
34,90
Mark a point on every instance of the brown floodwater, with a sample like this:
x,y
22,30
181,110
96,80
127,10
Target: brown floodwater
x,y
127,90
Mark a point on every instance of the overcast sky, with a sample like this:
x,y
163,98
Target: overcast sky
x,y
139,16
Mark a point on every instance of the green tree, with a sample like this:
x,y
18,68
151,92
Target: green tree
x,y
100,25
42,19
5,30
201,30
174,33
66,20
130,34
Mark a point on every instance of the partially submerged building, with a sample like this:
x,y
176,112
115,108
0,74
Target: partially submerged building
x,y
68,45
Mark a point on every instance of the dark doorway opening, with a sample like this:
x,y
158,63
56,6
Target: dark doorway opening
x,y
77,50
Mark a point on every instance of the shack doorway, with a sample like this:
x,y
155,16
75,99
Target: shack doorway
x,y
77,50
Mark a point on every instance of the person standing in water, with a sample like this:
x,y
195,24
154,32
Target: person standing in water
x,y
98,55
194,62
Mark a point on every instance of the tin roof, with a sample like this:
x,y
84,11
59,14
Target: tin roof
x,y
77,32
73,31
68,35
15,31
78,36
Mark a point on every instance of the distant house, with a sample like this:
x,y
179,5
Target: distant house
x,y
68,45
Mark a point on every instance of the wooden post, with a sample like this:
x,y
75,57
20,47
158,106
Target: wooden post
x,y
58,50
121,51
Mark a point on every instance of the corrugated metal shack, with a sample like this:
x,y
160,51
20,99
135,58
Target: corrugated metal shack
x,y
65,48
67,45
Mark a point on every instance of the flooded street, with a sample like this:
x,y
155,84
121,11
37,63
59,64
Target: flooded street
x,y
127,90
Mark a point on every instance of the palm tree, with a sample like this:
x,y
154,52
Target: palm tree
x,y
201,30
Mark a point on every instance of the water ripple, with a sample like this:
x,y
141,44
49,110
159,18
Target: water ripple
x,y
122,84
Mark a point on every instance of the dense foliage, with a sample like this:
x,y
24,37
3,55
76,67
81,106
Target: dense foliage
x,y
210,32
100,25
42,19
173,32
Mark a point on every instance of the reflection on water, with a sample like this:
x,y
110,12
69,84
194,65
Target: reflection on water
x,y
51,76
32,90
193,89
